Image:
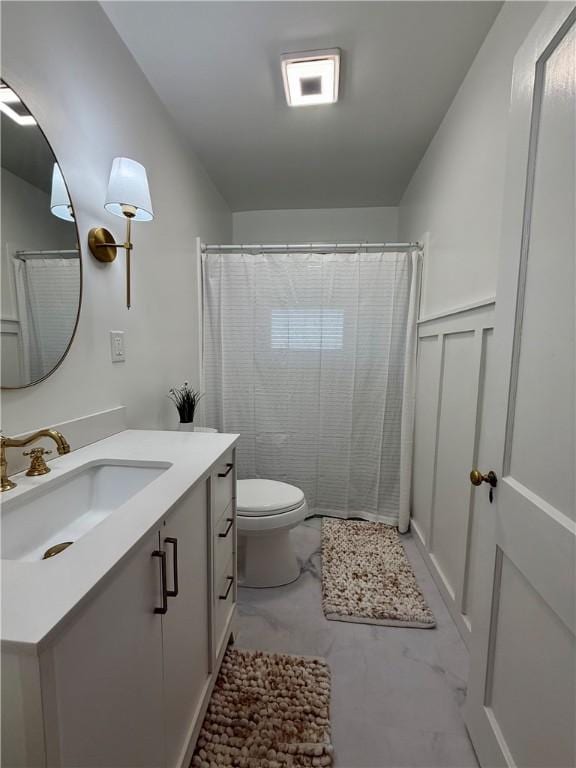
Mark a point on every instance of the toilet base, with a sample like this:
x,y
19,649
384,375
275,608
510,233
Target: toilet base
x,y
266,559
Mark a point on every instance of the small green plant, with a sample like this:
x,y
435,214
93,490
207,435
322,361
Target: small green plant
x,y
186,401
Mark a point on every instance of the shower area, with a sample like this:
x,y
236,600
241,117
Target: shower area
x,y
47,286
309,352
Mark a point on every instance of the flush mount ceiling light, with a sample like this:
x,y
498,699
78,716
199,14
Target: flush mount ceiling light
x,y
12,106
311,77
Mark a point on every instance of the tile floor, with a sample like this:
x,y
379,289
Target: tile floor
x,y
397,693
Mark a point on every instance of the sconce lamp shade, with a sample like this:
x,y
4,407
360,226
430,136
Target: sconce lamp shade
x,y
128,187
60,200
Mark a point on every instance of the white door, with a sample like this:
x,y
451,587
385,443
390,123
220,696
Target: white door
x,y
522,690
185,625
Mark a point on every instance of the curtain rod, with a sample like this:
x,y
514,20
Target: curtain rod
x,y
305,247
49,254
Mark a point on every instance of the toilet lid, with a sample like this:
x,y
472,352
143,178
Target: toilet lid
x,y
266,497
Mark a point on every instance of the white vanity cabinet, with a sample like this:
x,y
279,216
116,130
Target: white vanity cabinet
x,y
102,676
125,681
223,551
186,630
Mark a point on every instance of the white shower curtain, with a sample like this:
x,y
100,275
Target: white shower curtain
x,y
310,358
47,295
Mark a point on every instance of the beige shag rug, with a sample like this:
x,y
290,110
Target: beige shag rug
x,y
367,578
267,710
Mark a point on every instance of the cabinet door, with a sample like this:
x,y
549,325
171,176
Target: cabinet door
x,y
186,624
102,676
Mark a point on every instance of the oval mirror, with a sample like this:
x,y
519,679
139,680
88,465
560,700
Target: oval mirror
x,y
41,265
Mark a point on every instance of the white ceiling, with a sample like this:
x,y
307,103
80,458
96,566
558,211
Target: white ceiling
x,y
216,66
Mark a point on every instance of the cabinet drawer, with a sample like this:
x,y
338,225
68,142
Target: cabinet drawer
x,y
224,600
223,479
224,534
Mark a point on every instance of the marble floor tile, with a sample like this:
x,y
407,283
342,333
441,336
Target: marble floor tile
x,y
397,694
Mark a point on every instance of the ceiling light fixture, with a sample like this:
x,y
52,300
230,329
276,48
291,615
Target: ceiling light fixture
x,y
311,77
7,96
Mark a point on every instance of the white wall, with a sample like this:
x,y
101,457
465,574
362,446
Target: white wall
x,y
456,193
93,102
316,225
456,197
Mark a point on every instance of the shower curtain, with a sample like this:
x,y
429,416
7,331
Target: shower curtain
x,y
311,357
42,287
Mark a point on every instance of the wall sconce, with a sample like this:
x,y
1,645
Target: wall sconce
x,y
128,196
60,204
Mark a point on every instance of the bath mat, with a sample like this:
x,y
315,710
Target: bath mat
x,y
267,710
367,578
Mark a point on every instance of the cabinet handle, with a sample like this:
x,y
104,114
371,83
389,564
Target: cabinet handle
x,y
230,521
162,556
174,542
228,588
229,468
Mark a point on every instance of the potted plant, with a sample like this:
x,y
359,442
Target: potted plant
x,y
186,401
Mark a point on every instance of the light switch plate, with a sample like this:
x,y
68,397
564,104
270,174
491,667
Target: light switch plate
x,y
117,351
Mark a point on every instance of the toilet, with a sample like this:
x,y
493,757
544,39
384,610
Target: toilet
x,y
267,510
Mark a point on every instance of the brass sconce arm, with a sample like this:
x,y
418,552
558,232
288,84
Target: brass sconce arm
x,y
103,247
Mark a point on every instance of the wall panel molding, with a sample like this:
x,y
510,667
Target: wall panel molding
x,y
489,302
452,352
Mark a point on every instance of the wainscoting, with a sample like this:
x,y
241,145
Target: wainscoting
x,y
454,353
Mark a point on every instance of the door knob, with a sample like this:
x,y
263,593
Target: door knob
x,y
477,478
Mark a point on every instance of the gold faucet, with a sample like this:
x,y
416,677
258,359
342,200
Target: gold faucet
x,y
12,442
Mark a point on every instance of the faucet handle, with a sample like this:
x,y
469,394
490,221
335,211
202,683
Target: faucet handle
x,y
37,464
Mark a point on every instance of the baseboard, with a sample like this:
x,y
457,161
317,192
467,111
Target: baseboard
x,y
445,592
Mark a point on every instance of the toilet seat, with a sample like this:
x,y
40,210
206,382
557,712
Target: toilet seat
x,y
267,510
263,524
265,498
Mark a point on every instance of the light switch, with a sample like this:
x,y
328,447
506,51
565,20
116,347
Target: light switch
x,y
117,351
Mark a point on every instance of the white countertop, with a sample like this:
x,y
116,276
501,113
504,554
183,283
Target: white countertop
x,y
37,596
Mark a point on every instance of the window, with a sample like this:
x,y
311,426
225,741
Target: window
x,y
307,329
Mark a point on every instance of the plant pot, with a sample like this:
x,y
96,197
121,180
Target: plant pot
x,y
186,426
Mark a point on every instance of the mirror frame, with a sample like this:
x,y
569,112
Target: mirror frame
x,y
81,286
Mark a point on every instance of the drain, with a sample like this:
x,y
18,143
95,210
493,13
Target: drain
x,y
56,549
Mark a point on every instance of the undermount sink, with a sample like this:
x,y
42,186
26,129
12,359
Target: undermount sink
x,y
65,509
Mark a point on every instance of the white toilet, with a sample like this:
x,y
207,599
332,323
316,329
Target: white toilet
x,y
267,510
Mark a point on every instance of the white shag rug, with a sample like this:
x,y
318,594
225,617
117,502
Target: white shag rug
x,y
367,578
267,710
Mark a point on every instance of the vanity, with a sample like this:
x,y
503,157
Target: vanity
x,y
119,559
111,647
